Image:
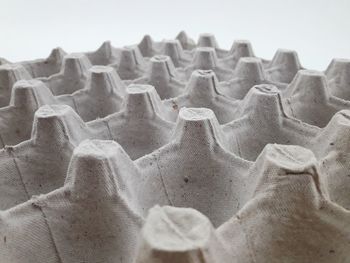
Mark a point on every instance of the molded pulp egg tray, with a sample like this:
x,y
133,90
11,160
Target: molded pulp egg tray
x,y
174,152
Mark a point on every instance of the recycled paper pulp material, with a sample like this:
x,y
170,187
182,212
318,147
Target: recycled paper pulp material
x,y
165,151
92,218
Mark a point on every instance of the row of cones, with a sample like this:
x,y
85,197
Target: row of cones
x,y
308,98
196,144
284,214
95,154
132,62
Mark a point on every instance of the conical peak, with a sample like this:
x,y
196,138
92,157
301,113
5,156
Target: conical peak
x,y
335,136
198,127
142,101
106,49
98,169
250,68
288,164
171,229
147,39
207,40
160,59
185,41
263,103
54,125
242,48
310,85
196,114
10,73
338,66
172,45
90,169
205,58
173,49
266,89
139,89
146,46
75,64
161,68
3,61
104,79
96,149
130,57
104,55
98,70
339,72
182,35
287,58
31,94
341,118
288,159
203,84
57,54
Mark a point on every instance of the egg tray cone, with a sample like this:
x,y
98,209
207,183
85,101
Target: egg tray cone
x,y
174,151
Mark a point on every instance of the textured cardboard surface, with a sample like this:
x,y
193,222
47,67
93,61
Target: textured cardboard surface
x,y
174,151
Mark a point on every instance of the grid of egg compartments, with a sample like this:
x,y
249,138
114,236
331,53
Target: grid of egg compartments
x,y
174,151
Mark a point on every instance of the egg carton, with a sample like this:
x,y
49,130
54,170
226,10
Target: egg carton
x,y
314,105
42,67
91,164
131,64
97,215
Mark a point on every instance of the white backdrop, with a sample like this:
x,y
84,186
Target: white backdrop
x,y
317,29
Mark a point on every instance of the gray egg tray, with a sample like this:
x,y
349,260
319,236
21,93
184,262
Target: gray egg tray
x,y
176,152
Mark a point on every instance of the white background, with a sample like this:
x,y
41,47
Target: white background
x,y
317,29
